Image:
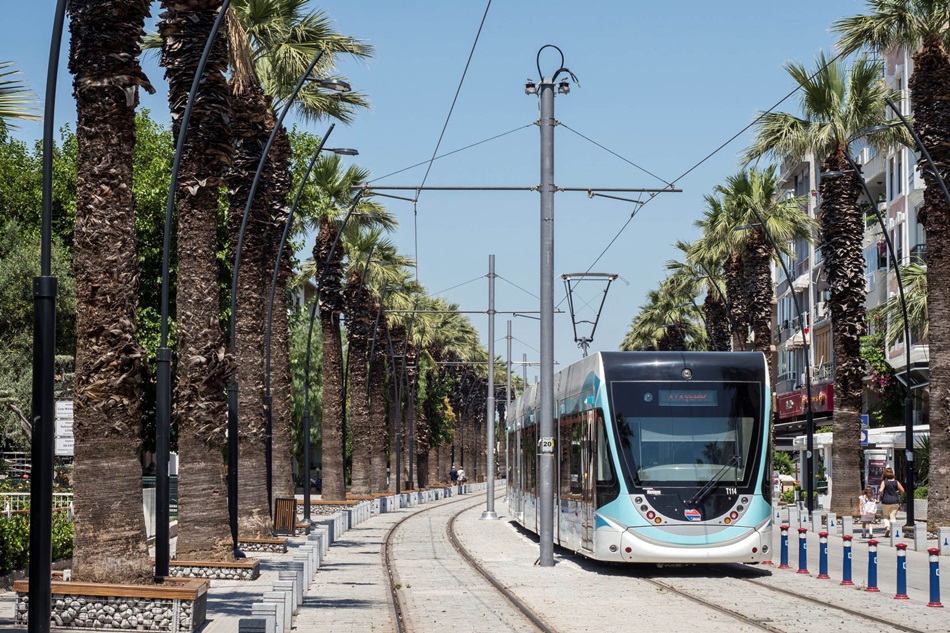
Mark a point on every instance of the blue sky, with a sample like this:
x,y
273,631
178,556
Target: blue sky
x,y
661,84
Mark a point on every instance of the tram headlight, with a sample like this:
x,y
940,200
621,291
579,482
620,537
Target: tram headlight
x,y
638,499
644,507
744,500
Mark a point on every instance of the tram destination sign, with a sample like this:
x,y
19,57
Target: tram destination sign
x,y
688,398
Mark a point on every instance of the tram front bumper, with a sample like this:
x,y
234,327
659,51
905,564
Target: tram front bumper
x,y
656,545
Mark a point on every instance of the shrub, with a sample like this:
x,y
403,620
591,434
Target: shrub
x,y
15,540
920,492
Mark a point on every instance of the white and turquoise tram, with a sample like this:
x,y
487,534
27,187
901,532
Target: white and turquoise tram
x,y
661,457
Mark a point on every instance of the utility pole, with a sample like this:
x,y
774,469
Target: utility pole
x,y
489,513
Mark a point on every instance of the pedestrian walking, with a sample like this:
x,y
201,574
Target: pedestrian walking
x,y
890,500
454,474
868,504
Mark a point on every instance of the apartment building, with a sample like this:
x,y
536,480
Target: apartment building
x,y
803,329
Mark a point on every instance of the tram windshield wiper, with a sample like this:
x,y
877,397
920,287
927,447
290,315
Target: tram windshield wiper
x,y
711,484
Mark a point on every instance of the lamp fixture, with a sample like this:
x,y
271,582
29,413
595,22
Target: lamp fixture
x,y
342,151
563,87
337,85
530,88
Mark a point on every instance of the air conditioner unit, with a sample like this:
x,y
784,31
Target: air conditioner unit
x,y
901,216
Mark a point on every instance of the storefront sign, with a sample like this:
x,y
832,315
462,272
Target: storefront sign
x,y
793,404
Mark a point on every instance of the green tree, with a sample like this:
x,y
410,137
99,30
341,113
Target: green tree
x,y
15,98
837,108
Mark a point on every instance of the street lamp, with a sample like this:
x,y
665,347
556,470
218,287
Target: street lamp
x,y
44,351
908,393
547,430
306,397
268,399
232,345
163,354
809,415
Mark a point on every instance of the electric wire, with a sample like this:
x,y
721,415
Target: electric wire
x,y
711,154
415,215
527,292
454,151
464,283
610,151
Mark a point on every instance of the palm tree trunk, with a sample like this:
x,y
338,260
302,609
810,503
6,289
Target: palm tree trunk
x,y
109,541
203,369
249,133
843,231
330,274
379,438
757,261
717,318
279,186
360,322
931,101
737,300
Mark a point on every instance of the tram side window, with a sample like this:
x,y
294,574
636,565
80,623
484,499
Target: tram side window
x,y
529,448
564,449
577,474
608,487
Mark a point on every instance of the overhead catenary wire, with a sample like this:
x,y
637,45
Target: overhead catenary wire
x,y
710,155
415,215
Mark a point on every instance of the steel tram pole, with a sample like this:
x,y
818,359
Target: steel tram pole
x,y
489,513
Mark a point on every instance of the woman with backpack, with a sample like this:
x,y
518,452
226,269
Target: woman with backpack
x,y
889,490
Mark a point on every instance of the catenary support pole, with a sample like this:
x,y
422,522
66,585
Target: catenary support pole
x,y
489,512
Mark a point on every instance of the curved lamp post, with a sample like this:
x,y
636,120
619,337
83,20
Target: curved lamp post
x,y
809,415
232,345
268,399
545,90
163,354
44,351
306,370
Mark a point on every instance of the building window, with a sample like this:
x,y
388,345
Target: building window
x,y
900,174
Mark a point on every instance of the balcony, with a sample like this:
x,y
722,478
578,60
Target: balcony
x,y
918,254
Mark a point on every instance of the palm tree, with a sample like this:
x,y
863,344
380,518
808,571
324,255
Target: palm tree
x,y
335,186
667,322
751,197
203,368
15,98
273,43
915,294
923,27
374,265
837,107
704,268
109,542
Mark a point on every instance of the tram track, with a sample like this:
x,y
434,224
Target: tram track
x,y
397,590
815,604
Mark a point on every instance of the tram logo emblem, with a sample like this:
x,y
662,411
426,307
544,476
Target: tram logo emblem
x,y
693,515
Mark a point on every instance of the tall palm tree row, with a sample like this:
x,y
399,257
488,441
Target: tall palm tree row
x,y
667,322
837,107
109,541
924,27
750,198
203,367
701,274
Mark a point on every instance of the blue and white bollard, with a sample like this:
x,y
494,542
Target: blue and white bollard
x,y
846,562
934,578
901,572
784,556
823,555
802,550
872,566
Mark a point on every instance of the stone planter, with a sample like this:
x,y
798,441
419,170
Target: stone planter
x,y
272,545
244,569
177,606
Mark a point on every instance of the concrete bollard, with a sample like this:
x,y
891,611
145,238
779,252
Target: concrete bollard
x,y
803,518
307,568
297,579
901,572
943,541
256,625
823,555
792,515
815,520
847,525
299,566
832,523
846,560
920,537
872,566
894,535
784,554
288,587
267,611
934,578
802,550
282,600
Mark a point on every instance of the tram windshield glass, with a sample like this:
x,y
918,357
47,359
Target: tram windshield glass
x,y
686,434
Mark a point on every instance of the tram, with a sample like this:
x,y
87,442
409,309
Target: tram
x,y
659,457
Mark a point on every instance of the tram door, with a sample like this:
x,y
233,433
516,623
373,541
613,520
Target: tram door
x,y
589,480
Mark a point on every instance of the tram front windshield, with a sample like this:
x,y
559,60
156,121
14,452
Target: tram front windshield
x,y
686,434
